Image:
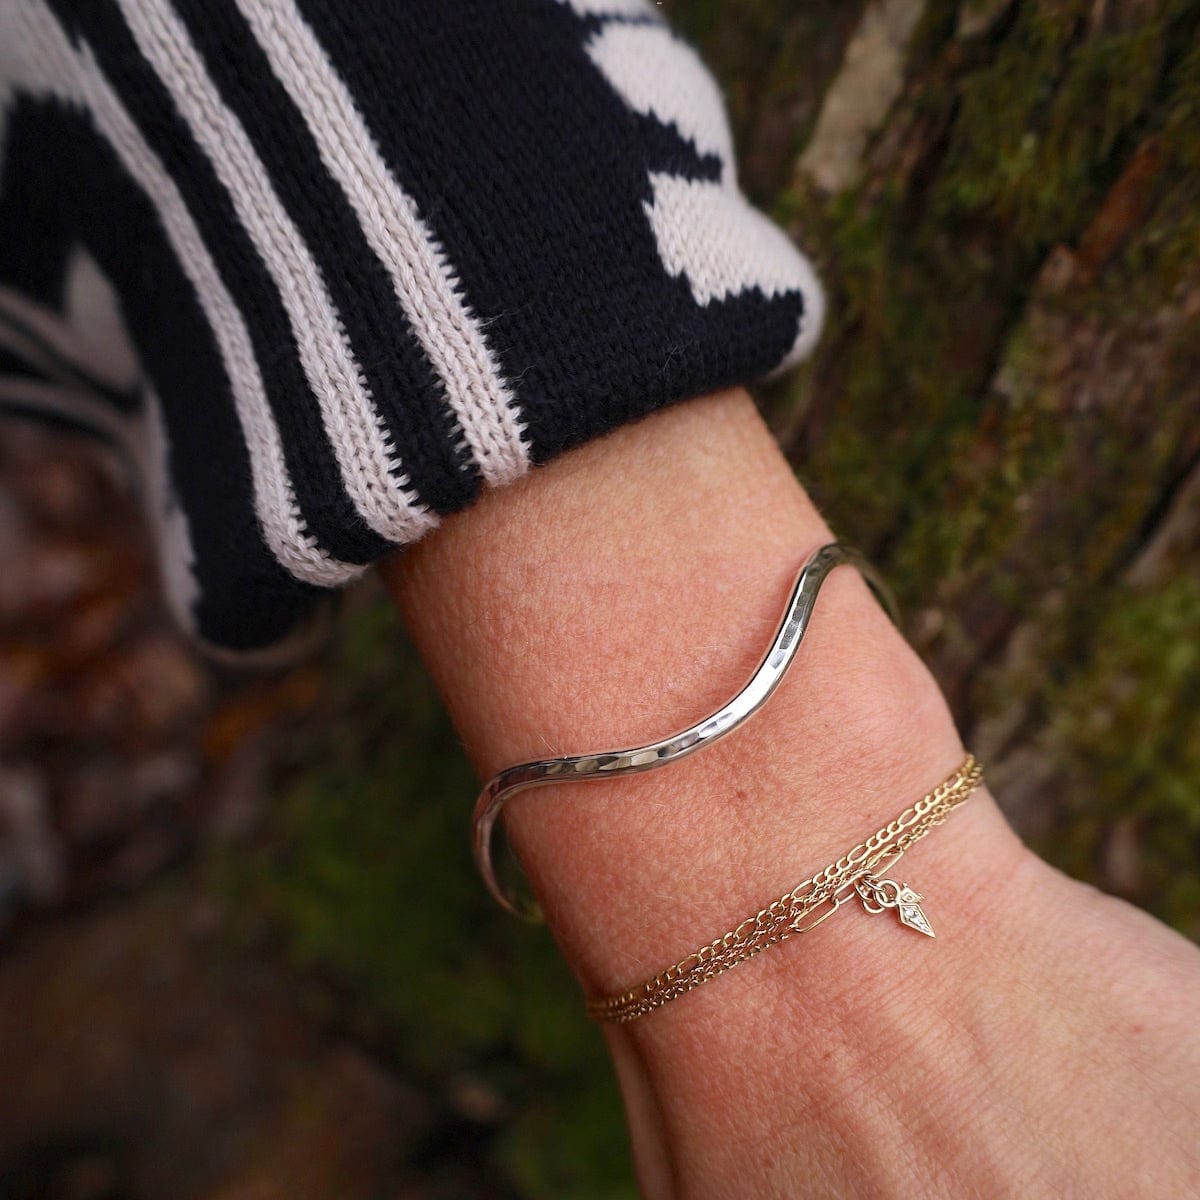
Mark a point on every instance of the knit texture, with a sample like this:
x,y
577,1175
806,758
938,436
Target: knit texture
x,y
321,271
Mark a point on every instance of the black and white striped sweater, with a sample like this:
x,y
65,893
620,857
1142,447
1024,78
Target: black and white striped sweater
x,y
323,269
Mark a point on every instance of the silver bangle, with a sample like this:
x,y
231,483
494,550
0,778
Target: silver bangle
x,y
607,763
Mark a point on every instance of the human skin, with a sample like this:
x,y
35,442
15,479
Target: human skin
x,y
1044,1044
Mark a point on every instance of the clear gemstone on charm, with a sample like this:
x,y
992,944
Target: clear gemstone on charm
x,y
912,916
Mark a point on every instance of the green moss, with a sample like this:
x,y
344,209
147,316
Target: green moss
x,y
934,30
1043,129
1130,719
1166,249
930,271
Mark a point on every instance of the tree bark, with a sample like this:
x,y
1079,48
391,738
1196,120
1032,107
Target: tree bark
x,y
1004,200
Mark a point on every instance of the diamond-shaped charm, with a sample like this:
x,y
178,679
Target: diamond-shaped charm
x,y
908,909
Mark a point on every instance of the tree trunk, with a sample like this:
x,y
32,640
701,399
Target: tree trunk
x,y
1004,200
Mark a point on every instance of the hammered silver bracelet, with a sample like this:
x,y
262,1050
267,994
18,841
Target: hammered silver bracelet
x,y
605,764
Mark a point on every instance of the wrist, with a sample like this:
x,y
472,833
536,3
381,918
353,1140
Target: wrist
x,y
620,594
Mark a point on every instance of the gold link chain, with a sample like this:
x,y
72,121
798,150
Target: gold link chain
x,y
856,873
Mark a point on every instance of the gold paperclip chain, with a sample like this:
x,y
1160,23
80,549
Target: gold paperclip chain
x,y
857,873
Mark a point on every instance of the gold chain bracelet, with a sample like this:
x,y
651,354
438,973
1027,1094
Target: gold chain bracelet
x,y
860,872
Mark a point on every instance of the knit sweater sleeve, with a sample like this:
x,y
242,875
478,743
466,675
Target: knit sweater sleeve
x,y
322,271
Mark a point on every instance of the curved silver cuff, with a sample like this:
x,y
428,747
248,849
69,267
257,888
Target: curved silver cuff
x,y
607,763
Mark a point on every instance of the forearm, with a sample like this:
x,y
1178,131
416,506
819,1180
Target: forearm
x,y
623,592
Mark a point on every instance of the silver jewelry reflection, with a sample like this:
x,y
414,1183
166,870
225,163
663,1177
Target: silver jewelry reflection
x,y
607,763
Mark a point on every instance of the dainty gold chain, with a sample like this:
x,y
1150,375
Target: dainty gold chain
x,y
809,903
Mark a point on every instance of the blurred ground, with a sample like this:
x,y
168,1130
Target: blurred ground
x,y
224,969
146,1065
224,963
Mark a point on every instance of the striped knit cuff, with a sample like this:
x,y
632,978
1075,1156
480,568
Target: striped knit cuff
x,y
323,271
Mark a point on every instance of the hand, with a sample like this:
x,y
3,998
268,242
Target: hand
x,y
1044,1046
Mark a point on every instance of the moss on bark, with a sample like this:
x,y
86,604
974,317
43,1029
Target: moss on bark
x,y
1006,402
